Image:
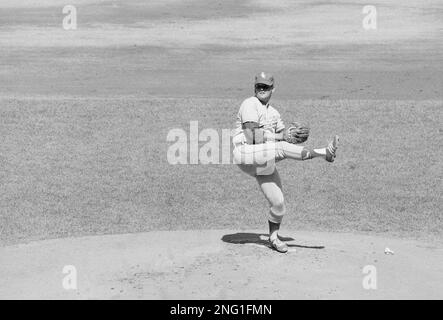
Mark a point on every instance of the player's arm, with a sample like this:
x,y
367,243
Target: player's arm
x,y
253,133
278,136
280,132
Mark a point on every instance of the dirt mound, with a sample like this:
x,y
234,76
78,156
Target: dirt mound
x,y
222,264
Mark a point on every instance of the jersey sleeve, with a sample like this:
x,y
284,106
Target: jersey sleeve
x,y
280,125
248,111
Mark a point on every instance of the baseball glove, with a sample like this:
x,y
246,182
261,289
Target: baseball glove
x,y
297,133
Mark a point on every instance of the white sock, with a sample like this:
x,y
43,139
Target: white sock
x,y
321,151
274,235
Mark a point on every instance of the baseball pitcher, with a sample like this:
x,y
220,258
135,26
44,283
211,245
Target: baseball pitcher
x,y
261,139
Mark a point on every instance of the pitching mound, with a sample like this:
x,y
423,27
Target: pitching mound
x,y
222,264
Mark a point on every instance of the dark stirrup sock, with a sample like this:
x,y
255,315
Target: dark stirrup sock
x,y
273,228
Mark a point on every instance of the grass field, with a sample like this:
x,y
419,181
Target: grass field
x,y
75,167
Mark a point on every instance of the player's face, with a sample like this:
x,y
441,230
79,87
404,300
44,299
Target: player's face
x,y
263,92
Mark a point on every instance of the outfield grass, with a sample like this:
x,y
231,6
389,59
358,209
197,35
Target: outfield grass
x,y
75,167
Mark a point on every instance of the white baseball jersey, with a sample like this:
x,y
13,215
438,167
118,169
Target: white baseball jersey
x,y
252,110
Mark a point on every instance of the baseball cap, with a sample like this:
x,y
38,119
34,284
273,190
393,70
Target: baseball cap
x,y
264,78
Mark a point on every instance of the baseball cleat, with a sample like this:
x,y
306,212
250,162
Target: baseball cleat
x,y
279,245
332,149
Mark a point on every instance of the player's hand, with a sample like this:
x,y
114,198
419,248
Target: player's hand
x,y
269,135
